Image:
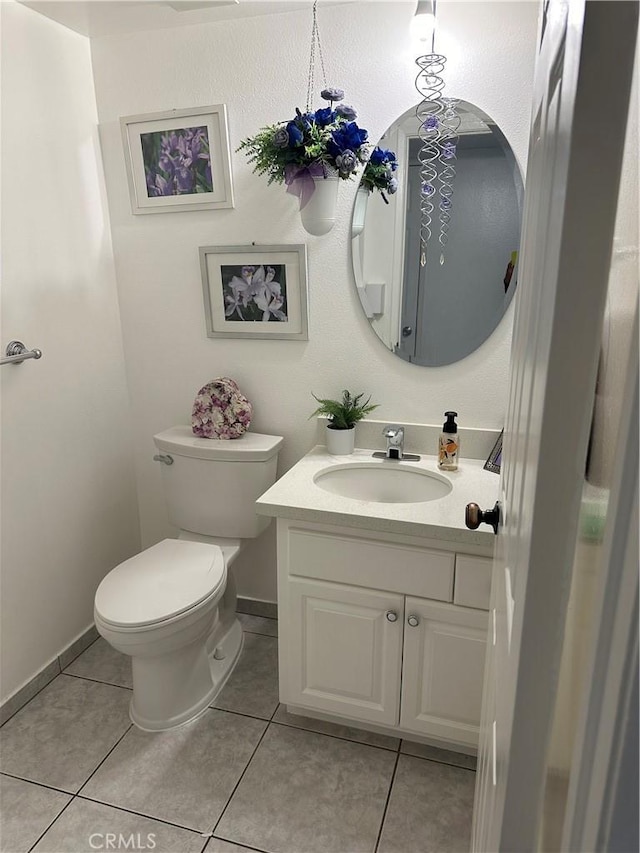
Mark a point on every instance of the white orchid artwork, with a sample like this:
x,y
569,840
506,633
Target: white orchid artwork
x,y
255,293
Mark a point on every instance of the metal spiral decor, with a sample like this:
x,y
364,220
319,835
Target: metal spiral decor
x,y
450,123
429,112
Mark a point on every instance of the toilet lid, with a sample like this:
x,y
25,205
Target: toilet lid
x,y
163,581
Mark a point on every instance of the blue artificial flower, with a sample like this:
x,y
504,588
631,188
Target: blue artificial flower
x,y
304,120
381,155
332,94
295,134
345,111
325,117
347,137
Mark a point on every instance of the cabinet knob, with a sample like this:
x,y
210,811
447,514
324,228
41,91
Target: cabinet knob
x,y
414,621
392,616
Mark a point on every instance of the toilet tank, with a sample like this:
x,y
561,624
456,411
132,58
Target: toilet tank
x,y
212,484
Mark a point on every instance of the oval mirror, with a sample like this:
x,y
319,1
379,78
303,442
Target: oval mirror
x,y
439,313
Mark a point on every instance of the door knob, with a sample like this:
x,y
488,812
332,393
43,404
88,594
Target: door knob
x,y
406,331
474,516
392,616
414,621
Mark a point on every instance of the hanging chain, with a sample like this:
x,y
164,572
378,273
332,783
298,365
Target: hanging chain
x,y
315,43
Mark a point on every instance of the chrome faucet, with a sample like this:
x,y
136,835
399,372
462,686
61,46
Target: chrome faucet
x,y
395,441
395,445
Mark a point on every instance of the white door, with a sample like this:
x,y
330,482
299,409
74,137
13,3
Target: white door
x,y
580,106
345,650
441,639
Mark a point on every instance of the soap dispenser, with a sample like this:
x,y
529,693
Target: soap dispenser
x,y
449,445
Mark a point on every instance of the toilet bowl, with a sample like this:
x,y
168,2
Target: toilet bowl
x,y
160,608
172,608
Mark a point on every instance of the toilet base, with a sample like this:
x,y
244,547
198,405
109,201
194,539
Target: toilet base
x,y
157,682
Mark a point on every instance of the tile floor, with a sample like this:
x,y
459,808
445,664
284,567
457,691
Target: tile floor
x,y
246,775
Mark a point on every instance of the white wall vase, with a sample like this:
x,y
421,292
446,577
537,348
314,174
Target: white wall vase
x,y
319,213
340,442
359,211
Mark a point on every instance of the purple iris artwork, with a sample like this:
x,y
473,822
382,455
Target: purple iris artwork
x,y
177,162
255,293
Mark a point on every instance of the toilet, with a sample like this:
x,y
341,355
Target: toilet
x,y
172,608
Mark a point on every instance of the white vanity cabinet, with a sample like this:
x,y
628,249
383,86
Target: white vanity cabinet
x,y
370,630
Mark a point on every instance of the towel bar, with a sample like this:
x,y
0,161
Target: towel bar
x,y
17,352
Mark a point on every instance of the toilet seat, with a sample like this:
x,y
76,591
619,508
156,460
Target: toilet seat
x,y
160,584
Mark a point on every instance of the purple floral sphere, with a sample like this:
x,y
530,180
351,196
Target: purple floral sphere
x,y
221,410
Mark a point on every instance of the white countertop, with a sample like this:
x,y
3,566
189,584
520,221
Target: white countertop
x,y
296,496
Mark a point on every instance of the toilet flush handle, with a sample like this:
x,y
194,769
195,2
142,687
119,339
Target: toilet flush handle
x,y
163,457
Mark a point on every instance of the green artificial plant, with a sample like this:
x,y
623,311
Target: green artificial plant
x,y
346,413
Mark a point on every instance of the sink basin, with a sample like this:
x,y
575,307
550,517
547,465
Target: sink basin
x,y
390,483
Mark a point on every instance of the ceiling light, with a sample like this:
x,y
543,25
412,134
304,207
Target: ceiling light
x,y
424,21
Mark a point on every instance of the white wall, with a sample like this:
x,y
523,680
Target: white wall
x,y
69,510
258,68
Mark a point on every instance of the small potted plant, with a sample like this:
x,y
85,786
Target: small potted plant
x,y
310,153
343,416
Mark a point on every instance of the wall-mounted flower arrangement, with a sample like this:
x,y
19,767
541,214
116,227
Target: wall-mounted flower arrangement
x,y
310,153
379,173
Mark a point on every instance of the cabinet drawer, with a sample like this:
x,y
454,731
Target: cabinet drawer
x,y
372,563
473,581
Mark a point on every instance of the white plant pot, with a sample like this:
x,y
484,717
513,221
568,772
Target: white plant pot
x,y
319,213
359,212
340,442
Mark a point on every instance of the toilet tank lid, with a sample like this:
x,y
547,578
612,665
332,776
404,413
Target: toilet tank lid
x,y
252,447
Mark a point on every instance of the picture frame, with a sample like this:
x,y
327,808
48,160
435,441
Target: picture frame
x,y
255,292
494,462
178,160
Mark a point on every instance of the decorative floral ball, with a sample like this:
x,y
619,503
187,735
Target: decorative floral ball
x,y
221,410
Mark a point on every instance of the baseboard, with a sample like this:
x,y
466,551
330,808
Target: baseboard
x,y
256,607
40,680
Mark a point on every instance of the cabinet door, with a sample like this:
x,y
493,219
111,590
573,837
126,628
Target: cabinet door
x,y
443,669
344,650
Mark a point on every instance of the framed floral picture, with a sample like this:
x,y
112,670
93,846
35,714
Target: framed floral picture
x,y
255,291
178,160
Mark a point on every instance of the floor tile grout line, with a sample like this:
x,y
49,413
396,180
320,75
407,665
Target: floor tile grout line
x,y
41,836
260,634
86,649
39,784
44,686
235,787
386,805
243,846
96,680
61,671
163,820
95,770
438,761
240,713
328,734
